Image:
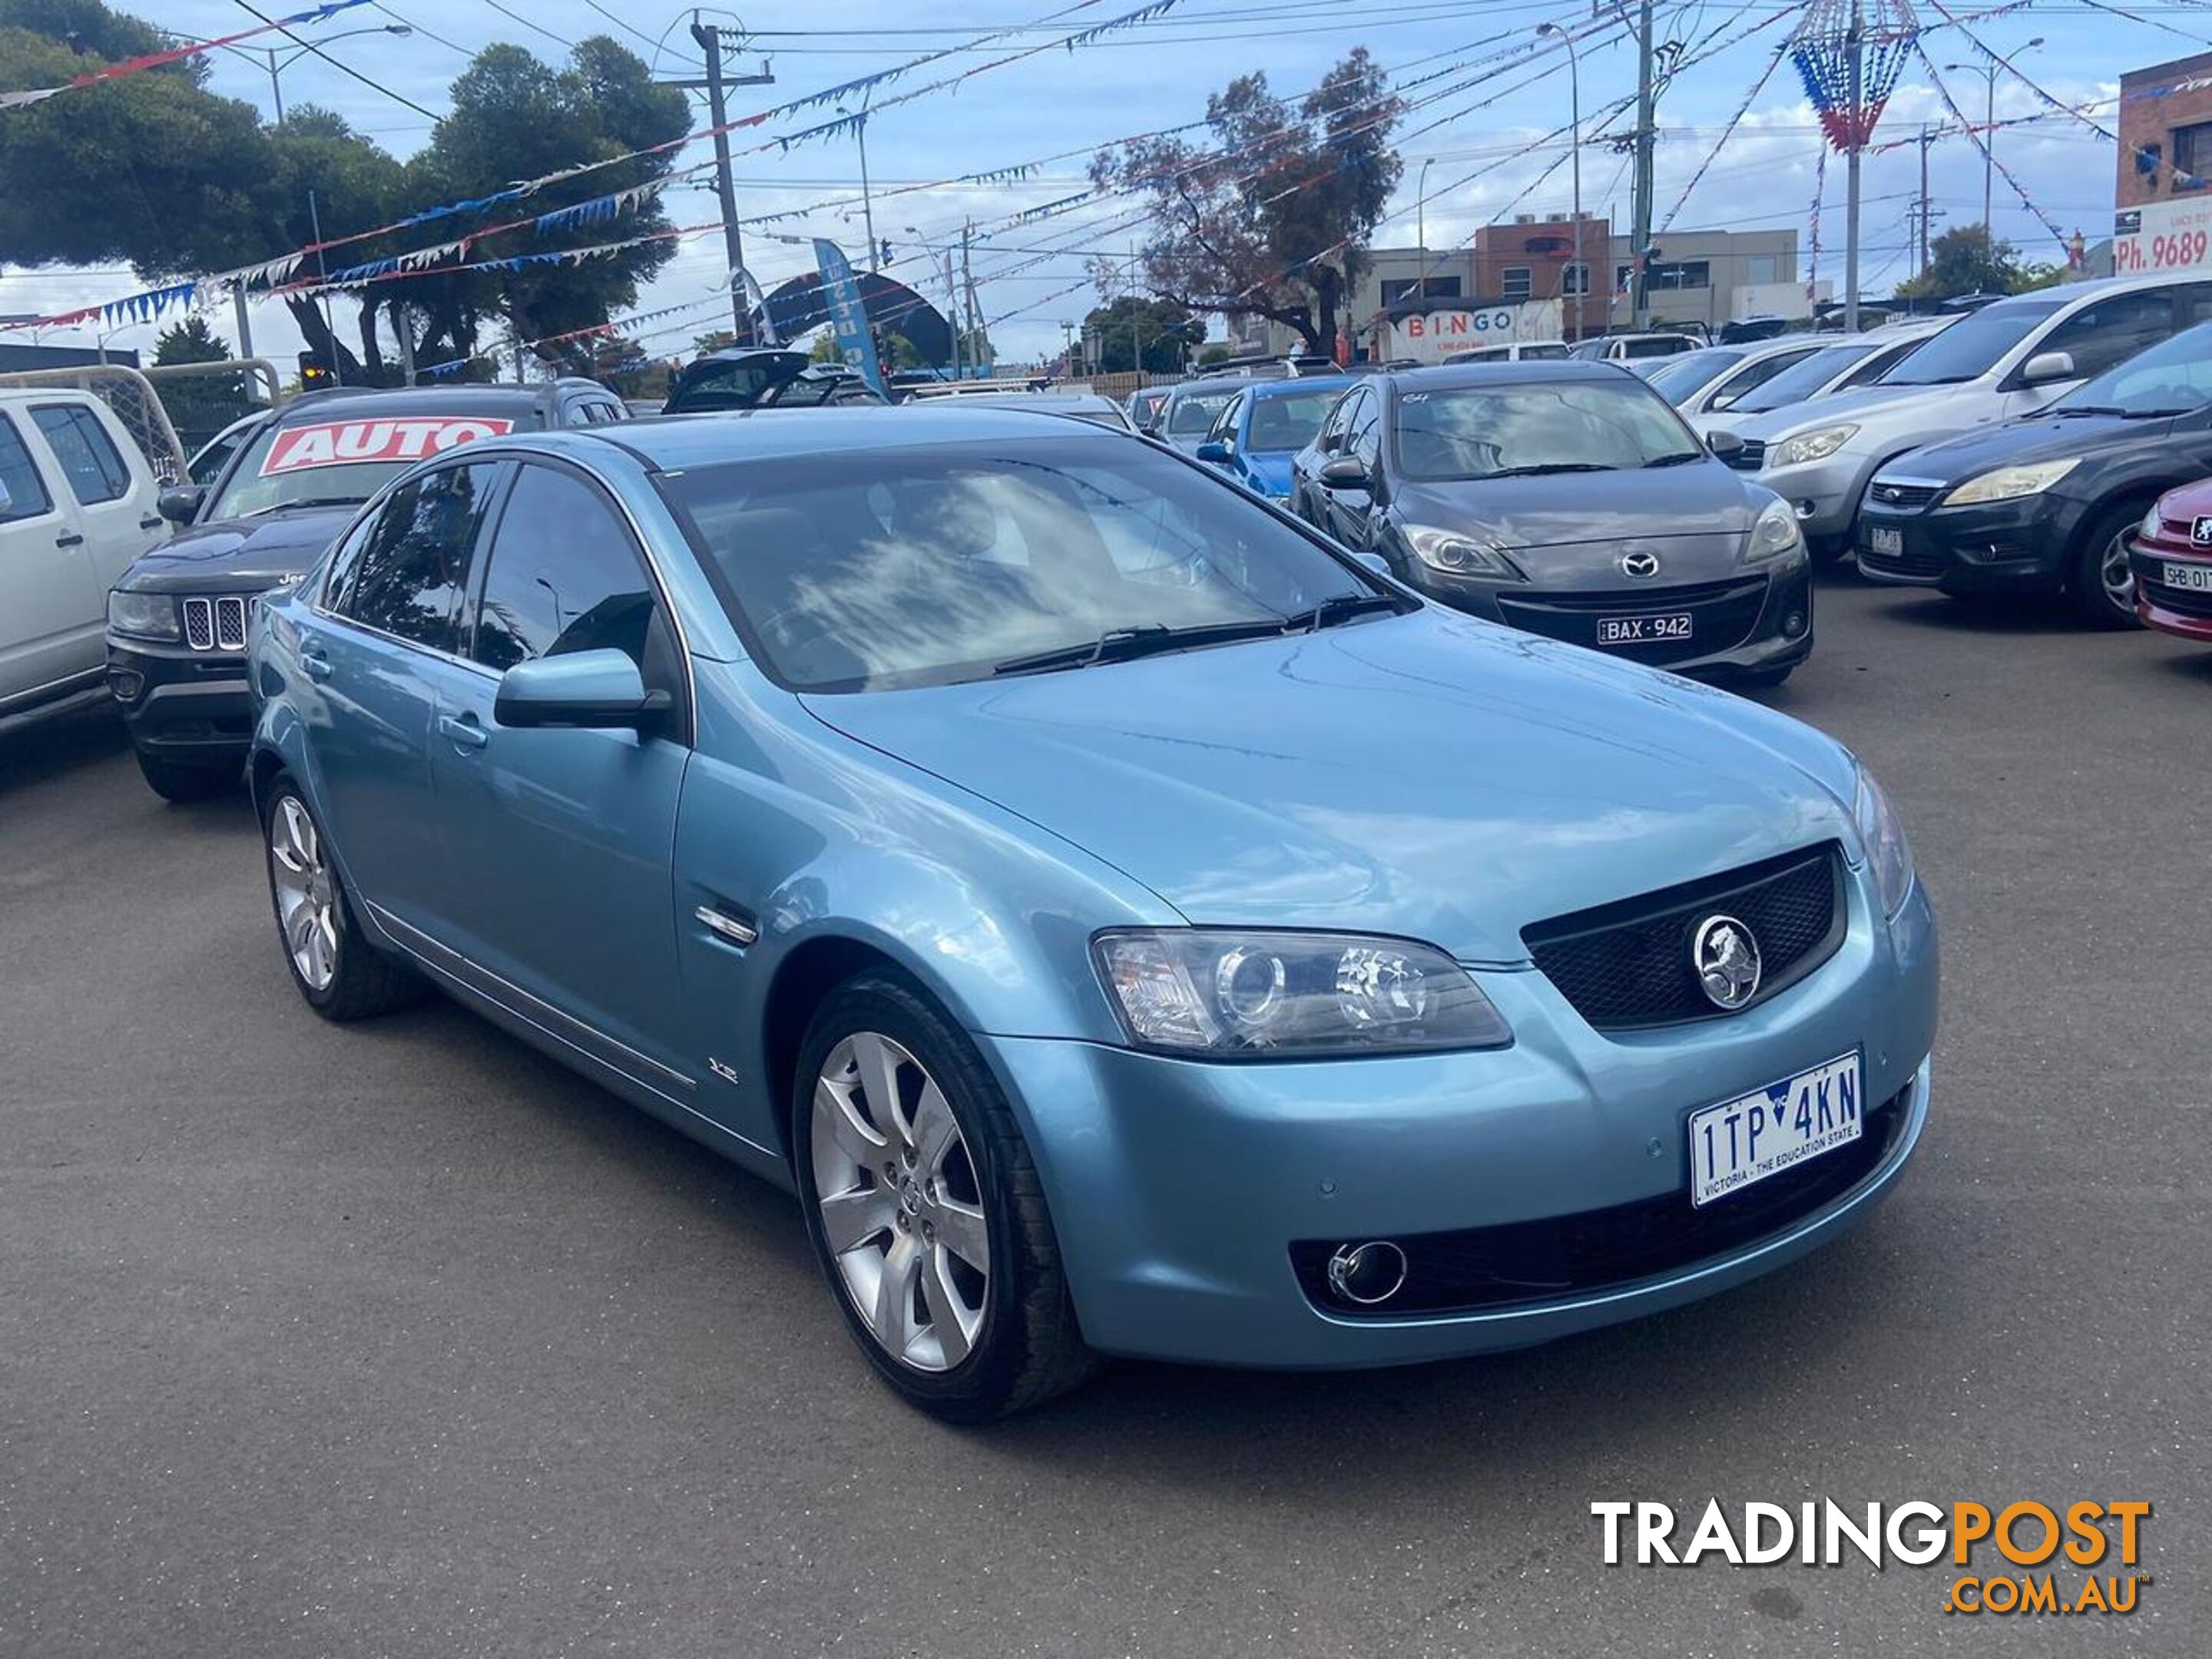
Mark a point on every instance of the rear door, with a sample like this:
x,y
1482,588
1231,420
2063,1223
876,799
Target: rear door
x,y
52,603
108,479
1349,509
2098,337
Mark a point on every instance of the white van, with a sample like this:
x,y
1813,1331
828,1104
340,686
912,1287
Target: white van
x,y
1520,351
77,505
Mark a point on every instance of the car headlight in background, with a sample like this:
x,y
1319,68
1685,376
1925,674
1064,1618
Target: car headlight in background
x,y
2008,484
1888,855
143,616
1774,536
1457,554
1227,995
1814,446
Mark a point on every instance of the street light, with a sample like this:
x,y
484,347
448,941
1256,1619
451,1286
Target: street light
x,y
867,205
276,62
1989,73
1575,154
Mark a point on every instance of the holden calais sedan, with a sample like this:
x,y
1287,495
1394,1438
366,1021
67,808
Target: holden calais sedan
x,y
1129,924
1568,499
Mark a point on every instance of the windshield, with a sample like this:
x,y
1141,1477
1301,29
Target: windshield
x,y
1805,377
2172,377
1194,416
340,462
1291,420
1678,377
1971,346
1580,426
884,568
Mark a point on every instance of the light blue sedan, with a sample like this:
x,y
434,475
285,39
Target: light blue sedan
x,y
1133,925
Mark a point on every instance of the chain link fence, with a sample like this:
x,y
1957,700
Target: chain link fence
x,y
171,409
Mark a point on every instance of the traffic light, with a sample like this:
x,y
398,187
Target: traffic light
x,y
314,370
886,258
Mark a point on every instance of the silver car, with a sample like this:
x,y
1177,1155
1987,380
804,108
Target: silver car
x,y
2005,360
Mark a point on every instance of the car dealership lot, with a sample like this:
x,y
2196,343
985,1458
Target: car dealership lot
x,y
403,1339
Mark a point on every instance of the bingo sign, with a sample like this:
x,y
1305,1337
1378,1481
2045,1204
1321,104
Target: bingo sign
x,y
350,443
2163,236
1432,337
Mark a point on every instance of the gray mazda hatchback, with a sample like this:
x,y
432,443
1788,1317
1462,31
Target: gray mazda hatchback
x,y
1569,500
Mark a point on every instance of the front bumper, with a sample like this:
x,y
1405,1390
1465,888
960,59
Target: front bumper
x,y
1760,619
1823,494
2186,612
181,704
1178,1188
2018,546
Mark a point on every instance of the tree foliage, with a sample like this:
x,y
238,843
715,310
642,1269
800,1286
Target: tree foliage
x,y
1113,333
1272,217
1962,260
155,170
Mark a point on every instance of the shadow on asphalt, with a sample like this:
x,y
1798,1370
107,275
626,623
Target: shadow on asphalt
x,y
45,750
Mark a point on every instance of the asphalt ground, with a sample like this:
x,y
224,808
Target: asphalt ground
x,y
400,1340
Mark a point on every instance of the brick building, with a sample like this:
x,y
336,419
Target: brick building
x,y
1534,259
2166,132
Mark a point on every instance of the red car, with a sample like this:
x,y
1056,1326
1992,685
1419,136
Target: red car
x,y
2171,558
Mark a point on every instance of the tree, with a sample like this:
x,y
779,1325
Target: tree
x,y
1114,332
721,339
1272,218
198,405
1962,261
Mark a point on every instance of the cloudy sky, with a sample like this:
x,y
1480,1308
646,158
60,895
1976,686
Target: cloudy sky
x,y
1487,148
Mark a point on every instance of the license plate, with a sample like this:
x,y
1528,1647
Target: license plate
x,y
2191,578
1643,630
1769,1130
1891,542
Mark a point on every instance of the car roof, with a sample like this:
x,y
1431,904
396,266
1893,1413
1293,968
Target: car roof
x,y
674,442
1303,385
1523,371
362,404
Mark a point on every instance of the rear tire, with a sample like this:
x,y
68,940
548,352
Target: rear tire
x,y
339,973
2100,588
184,781
916,1196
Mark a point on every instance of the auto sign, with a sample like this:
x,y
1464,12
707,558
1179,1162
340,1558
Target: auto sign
x,y
346,443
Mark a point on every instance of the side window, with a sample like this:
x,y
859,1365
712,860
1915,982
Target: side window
x,y
1367,431
208,464
1225,424
2112,331
1758,374
566,576
1338,423
22,492
410,573
613,410
95,472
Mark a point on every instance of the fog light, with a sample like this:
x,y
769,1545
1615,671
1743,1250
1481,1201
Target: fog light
x,y
126,684
1806,509
1367,1273
1794,624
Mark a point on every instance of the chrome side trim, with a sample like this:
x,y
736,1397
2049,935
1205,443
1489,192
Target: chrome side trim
x,y
527,1006
728,926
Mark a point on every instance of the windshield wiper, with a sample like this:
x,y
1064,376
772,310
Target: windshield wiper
x,y
1337,608
1123,644
1542,467
2072,411
312,501
1681,458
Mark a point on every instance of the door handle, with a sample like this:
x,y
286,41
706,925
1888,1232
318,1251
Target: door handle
x,y
313,663
151,521
464,731
69,538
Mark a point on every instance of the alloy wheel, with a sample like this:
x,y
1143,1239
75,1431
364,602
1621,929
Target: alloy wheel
x,y
901,1203
2114,574
306,893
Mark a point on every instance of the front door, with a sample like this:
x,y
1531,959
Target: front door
x,y
559,842
53,606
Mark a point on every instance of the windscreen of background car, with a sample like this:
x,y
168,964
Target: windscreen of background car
x,y
256,484
1805,377
1677,377
1290,421
2171,378
1971,346
916,567
1483,432
1191,417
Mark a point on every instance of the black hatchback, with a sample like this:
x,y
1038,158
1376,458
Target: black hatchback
x,y
2051,504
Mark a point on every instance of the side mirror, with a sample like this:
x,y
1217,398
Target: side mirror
x,y
600,691
1344,472
2046,367
1215,453
1726,445
1375,561
179,505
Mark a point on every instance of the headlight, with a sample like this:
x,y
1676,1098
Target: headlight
x,y
1816,446
1458,555
2008,483
1775,536
143,616
2150,525
1238,995
1887,854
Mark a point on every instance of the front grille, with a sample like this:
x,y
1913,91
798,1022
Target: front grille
x,y
1907,497
1593,1250
2183,601
1628,964
218,624
1750,456
1723,614
1912,564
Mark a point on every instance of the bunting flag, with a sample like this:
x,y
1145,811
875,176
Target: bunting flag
x,y
1885,34
175,54
609,206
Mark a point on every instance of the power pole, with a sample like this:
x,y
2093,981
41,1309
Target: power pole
x,y
1640,216
968,286
716,84
1855,45
1927,137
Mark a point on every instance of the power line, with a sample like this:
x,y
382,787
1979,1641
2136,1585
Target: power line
x,y
398,98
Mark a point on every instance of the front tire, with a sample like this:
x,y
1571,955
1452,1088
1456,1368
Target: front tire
x,y
2100,588
185,781
339,973
925,1209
